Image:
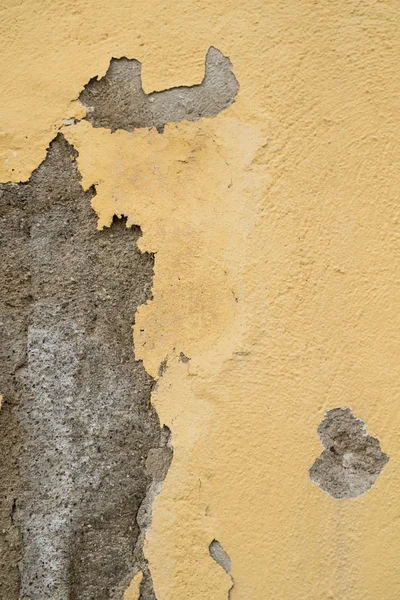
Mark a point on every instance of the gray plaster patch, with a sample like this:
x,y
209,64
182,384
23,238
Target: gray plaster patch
x,y
351,461
222,559
77,429
117,100
220,556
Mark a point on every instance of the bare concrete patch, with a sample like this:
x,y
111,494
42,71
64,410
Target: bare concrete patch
x,y
77,428
351,461
15,306
218,554
117,100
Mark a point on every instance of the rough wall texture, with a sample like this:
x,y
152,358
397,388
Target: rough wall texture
x,y
274,227
77,426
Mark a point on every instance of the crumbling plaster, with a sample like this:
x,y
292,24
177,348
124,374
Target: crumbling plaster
x,y
275,233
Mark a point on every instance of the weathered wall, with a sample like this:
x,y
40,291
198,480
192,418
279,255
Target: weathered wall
x,y
263,289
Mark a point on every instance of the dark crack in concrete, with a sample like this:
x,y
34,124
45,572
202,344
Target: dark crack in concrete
x,y
351,461
117,100
77,428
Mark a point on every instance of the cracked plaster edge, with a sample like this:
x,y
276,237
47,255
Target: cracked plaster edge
x,y
156,76
174,362
154,490
129,589
154,81
163,460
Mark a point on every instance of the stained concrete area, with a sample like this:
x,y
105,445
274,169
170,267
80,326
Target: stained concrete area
x,y
117,100
76,425
351,461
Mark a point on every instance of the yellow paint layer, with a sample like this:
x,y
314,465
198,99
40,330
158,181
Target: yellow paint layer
x,y
275,228
133,591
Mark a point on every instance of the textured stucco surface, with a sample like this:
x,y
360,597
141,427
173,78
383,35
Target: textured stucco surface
x,y
275,232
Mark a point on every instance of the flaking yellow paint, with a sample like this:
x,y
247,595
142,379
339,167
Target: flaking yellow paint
x,y
133,590
275,228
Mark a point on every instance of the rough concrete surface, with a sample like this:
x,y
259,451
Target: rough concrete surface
x,y
15,306
351,461
117,100
76,425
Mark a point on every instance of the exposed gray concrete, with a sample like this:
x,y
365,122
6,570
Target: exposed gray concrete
x,y
351,461
83,452
76,426
117,100
220,556
15,304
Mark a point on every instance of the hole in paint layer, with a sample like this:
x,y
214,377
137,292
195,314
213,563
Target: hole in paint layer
x,y
220,556
351,461
117,100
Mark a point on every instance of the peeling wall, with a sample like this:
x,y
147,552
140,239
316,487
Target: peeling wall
x,y
269,252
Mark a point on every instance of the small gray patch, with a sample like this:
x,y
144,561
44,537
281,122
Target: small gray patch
x,y
163,367
117,100
351,461
183,358
220,556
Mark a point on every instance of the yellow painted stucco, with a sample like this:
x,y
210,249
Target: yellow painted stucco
x,y
276,238
133,591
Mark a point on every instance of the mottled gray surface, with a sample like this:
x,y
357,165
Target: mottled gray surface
x,y
15,306
76,426
117,100
351,461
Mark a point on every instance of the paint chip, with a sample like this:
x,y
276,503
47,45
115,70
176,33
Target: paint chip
x,y
351,461
220,556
